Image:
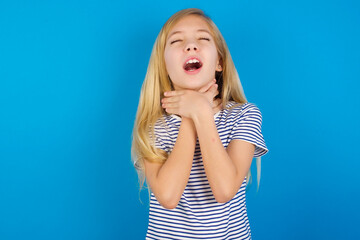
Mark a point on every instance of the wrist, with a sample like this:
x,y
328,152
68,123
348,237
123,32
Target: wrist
x,y
188,123
206,112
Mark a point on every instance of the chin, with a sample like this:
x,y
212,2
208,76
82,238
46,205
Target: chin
x,y
191,83
193,87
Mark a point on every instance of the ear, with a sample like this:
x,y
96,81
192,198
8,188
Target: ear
x,y
218,66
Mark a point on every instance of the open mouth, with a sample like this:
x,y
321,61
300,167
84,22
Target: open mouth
x,y
192,65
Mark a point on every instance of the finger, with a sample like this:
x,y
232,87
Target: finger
x,y
216,92
172,110
216,103
169,105
173,93
207,86
170,99
218,107
213,91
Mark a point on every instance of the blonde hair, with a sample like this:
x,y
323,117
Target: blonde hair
x,y
157,82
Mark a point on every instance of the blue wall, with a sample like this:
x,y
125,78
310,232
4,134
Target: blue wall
x,y
70,78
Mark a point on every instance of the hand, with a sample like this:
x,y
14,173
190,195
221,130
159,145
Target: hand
x,y
215,103
188,103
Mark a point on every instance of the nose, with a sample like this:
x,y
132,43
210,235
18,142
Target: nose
x,y
191,46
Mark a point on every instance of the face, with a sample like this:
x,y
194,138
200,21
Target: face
x,y
191,56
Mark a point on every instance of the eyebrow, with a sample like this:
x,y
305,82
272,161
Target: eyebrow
x,y
199,30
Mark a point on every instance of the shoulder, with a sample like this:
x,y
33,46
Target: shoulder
x,y
167,121
245,124
167,126
236,111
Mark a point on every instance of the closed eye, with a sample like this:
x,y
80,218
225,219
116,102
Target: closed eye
x,y
175,41
202,38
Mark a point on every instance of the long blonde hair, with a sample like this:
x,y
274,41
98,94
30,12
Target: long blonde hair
x,y
157,82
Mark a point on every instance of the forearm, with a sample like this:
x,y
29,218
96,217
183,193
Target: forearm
x,y
219,168
173,176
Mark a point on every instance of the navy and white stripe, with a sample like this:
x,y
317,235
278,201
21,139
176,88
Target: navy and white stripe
x,y
198,215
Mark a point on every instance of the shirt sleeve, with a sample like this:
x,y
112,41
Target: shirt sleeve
x,y
161,137
248,128
160,143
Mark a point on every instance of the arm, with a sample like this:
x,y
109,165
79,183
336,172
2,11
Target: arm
x,y
225,169
169,179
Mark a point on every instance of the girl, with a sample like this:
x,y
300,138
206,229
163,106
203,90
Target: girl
x,y
195,135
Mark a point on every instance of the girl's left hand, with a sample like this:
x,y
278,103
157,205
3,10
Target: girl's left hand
x,y
189,103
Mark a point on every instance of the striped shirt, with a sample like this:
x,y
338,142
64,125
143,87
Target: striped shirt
x,y
198,215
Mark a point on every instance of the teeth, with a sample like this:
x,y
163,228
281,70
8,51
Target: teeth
x,y
192,61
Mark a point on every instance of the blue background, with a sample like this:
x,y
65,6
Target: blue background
x,y
70,78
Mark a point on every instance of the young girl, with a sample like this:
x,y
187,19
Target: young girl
x,y
195,135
